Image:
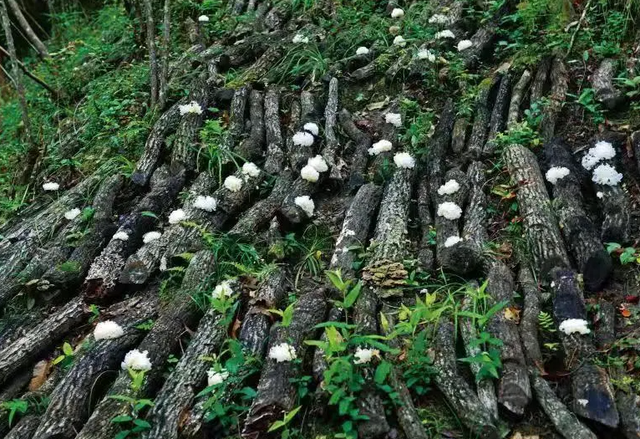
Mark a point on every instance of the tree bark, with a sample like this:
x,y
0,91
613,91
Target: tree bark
x,y
28,30
186,138
275,152
479,132
332,144
358,166
517,96
559,88
498,121
602,80
540,81
252,147
151,47
166,49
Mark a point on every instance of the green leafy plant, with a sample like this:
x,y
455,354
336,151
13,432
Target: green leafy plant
x,y
65,360
13,407
132,425
545,322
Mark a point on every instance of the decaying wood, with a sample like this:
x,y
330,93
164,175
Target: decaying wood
x,y
105,270
358,165
498,121
389,244
276,393
236,117
275,153
25,428
438,148
332,144
425,251
68,407
517,96
148,161
540,81
580,234
559,87
462,399
602,80
605,325
40,338
481,120
514,390
628,404
251,148
459,135
541,229
299,154
185,141
175,316
256,324
474,230
529,318
589,382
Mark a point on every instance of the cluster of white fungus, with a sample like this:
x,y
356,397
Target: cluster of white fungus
x,y
233,183
601,151
572,326
72,214
445,34
380,146
464,45
362,51
607,175
191,108
312,128
397,13
450,187
426,54
137,360
282,352
394,119
250,169
364,356
451,241
107,330
223,289
399,41
404,160
302,138
120,236
440,19
51,186
203,19
206,203
556,173
300,39
151,236
305,203
214,377
309,173
449,210
176,216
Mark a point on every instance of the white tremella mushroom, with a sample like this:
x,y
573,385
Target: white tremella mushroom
x,y
206,203
556,173
151,236
426,54
233,183
176,216
300,39
72,214
399,41
107,330
362,50
309,173
214,377
137,360
282,352
449,210
203,19
404,160
394,119
191,108
223,289
312,128
303,138
445,34
380,147
606,175
439,19
51,186
397,13
601,151
120,236
464,45
250,169
451,241
318,163
364,356
305,203
450,187
572,326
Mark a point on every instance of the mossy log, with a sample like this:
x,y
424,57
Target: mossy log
x,y
358,166
175,317
461,397
105,270
592,392
41,338
580,234
254,332
498,120
541,229
602,80
275,392
68,407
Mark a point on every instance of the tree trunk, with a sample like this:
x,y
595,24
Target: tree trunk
x,y
517,96
166,49
26,27
151,47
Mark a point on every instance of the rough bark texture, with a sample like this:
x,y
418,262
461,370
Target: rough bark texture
x,y
529,318
363,143
540,81
184,146
602,80
517,96
332,143
614,205
559,87
498,121
459,136
275,152
276,394
437,149
25,428
478,135
474,230
629,407
541,229
579,232
252,147
28,30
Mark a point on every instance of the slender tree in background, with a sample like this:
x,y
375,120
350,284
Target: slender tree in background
x,y
151,46
164,69
31,35
32,152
